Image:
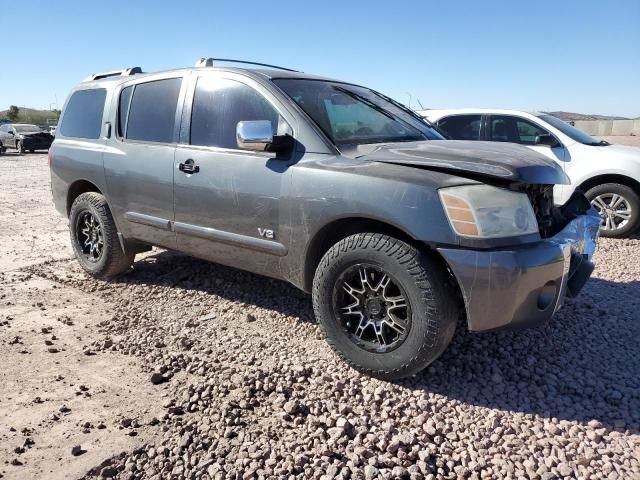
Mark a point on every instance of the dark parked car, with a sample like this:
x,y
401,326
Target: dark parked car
x,y
24,137
333,187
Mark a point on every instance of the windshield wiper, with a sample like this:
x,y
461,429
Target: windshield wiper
x,y
377,108
367,102
601,143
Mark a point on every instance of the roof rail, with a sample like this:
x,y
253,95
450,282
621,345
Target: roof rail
x,y
125,72
208,62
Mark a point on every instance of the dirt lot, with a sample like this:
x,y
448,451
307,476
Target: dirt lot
x,y
250,390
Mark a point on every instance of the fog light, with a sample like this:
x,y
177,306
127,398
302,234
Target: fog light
x,y
547,294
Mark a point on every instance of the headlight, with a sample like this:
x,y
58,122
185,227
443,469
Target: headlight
x,y
483,211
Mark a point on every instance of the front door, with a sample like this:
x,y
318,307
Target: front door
x,y
228,201
509,128
139,159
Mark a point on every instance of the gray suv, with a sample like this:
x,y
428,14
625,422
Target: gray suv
x,y
333,187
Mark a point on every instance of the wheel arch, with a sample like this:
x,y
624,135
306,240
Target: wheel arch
x,y
78,188
338,229
610,178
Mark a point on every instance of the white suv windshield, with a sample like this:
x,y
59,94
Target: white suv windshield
x,y
569,131
352,115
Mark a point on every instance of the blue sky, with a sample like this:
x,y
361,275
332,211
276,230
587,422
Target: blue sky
x,y
581,56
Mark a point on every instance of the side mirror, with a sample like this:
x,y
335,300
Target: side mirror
x,y
10,132
547,139
256,135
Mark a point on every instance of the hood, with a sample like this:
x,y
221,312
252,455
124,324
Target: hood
x,y
626,152
504,161
34,134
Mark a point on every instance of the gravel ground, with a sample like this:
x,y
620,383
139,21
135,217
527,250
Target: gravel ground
x,y
223,374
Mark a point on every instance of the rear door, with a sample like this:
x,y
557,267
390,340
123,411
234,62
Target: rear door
x,y
139,159
230,210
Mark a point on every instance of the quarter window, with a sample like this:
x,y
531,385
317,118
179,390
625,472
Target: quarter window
x,y
218,106
123,109
152,111
462,127
83,114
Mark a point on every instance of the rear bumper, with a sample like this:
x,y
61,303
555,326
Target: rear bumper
x,y
527,284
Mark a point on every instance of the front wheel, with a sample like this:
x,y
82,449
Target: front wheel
x,y
619,208
94,237
384,306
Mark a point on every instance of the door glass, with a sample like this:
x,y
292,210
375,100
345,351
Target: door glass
x,y
218,106
152,113
528,132
82,117
505,128
461,127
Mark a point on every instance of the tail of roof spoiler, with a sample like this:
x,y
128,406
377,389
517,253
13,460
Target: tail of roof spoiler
x,y
125,72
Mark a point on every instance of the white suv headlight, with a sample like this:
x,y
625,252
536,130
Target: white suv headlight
x,y
483,211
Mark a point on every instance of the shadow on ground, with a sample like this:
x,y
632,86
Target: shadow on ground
x,y
583,365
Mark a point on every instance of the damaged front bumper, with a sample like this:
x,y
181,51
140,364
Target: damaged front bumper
x,y
525,285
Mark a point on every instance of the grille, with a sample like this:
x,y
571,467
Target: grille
x,y
541,197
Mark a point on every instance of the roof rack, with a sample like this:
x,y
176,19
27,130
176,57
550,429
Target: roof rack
x,y
208,62
125,72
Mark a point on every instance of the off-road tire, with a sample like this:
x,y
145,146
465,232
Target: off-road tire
x,y
113,260
434,310
630,196
19,147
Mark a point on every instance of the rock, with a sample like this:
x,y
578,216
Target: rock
x,y
371,472
157,378
250,318
108,472
76,450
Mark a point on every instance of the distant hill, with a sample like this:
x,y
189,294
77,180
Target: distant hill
x,y
31,115
571,116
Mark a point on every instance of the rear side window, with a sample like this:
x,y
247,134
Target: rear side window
x,y
152,111
218,106
83,114
462,127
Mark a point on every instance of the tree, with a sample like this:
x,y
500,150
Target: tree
x,y
13,113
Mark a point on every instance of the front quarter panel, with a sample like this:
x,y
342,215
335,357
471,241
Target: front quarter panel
x,y
328,188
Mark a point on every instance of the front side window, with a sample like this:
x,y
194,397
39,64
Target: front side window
x,y
218,106
152,111
462,127
82,117
505,128
352,115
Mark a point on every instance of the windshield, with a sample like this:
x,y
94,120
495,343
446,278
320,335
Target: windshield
x,y
570,131
351,115
26,128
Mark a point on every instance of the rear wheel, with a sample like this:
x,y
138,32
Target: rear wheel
x,y
384,306
94,237
619,208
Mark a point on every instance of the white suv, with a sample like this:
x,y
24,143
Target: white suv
x,y
608,174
